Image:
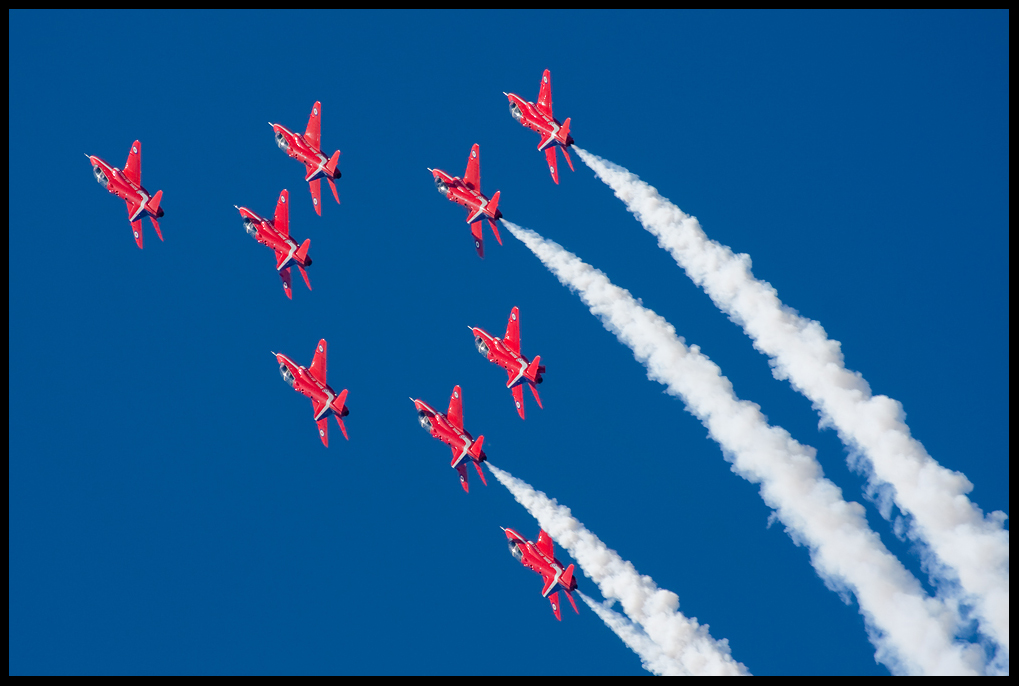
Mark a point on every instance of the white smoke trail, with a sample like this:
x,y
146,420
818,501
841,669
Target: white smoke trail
x,y
686,646
973,547
650,653
912,632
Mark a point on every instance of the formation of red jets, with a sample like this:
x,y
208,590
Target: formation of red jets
x,y
312,381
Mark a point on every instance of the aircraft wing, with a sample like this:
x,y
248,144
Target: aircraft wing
x,y
281,259
518,396
323,430
316,194
545,94
472,177
317,406
461,469
133,168
545,544
550,578
313,135
512,337
318,362
455,414
281,221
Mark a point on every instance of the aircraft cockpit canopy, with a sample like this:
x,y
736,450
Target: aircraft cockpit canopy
x,y
100,176
480,344
441,186
281,140
515,111
287,375
515,550
250,227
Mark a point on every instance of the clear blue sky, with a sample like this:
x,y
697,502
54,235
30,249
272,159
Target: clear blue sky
x,y
170,506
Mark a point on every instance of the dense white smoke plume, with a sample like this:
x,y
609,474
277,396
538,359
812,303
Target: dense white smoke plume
x,y
651,656
974,548
913,633
686,646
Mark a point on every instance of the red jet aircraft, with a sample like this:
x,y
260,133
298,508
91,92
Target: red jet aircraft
x,y
127,184
308,149
537,116
540,557
467,192
311,381
276,234
449,428
505,352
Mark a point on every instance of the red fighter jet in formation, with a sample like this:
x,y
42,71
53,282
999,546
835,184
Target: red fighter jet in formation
x,y
537,116
311,381
505,352
540,557
127,184
467,192
276,234
308,149
449,428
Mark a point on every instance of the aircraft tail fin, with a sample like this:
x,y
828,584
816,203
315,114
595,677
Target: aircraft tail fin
x,y
564,132
567,577
153,206
331,164
339,402
475,450
493,205
533,369
302,252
